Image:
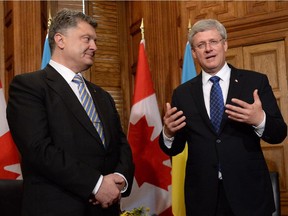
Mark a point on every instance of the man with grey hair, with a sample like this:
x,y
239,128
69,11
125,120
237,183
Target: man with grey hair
x,y
222,114
76,160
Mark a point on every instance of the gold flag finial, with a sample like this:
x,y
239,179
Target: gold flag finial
x,y
49,20
189,26
142,29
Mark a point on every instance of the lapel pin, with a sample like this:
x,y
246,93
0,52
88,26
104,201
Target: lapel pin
x,y
236,80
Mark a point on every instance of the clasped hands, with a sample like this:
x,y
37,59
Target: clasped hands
x,y
109,191
251,114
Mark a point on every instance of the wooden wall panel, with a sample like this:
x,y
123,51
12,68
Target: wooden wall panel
x,y
23,36
161,37
110,69
270,59
2,68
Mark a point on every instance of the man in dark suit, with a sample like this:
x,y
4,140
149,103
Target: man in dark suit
x,y
69,167
226,173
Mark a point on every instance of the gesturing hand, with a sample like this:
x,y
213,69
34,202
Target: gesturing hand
x,y
173,120
247,113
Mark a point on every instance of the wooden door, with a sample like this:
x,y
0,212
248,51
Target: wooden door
x,y
269,58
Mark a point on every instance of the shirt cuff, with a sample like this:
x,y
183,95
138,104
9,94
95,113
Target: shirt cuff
x,y
126,182
261,127
97,186
167,140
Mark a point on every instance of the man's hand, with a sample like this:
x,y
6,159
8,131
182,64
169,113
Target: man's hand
x,y
247,113
173,120
109,191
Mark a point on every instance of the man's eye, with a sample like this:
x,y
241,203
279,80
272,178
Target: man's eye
x,y
86,39
213,42
201,45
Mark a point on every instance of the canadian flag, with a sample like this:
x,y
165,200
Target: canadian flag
x,y
9,157
152,181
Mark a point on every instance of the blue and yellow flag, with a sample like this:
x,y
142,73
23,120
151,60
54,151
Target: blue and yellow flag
x,y
179,161
46,53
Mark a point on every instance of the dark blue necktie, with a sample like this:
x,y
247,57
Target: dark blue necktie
x,y
216,103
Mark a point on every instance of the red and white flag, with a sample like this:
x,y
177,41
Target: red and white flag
x,y
9,157
152,181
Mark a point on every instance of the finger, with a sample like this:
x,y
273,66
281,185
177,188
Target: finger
x,y
176,116
105,205
179,126
240,103
168,106
230,109
170,112
235,116
256,96
179,120
174,120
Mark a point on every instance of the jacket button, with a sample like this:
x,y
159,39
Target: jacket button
x,y
218,141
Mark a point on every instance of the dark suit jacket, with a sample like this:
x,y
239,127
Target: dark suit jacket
x,y
62,154
237,148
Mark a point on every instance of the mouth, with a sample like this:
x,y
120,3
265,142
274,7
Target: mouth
x,y
90,55
210,57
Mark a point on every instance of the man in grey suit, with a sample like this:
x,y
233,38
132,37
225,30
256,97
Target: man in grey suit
x,y
226,172
71,166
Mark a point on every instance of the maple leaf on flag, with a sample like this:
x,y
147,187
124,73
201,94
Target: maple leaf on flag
x,y
9,157
150,159
9,161
152,179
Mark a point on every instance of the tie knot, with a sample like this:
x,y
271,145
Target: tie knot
x,y
77,79
214,79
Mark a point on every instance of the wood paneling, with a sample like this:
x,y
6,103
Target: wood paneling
x,y
2,75
110,70
161,43
23,36
269,58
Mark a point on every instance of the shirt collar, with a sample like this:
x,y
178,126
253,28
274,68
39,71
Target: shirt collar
x,y
65,72
224,74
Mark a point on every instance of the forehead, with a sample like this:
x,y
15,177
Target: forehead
x,y
206,35
82,28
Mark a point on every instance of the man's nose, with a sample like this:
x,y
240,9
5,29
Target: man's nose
x,y
93,45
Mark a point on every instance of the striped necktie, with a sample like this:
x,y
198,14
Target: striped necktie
x,y
88,105
216,103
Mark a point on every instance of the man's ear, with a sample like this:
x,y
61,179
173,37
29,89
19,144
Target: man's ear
x,y
59,40
193,53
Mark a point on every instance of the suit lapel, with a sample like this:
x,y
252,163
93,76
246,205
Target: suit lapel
x,y
236,83
234,91
101,109
57,82
197,92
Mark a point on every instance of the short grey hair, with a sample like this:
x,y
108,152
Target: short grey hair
x,y
204,25
64,20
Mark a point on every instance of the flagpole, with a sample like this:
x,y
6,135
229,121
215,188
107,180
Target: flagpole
x,y
49,20
83,6
142,29
46,55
